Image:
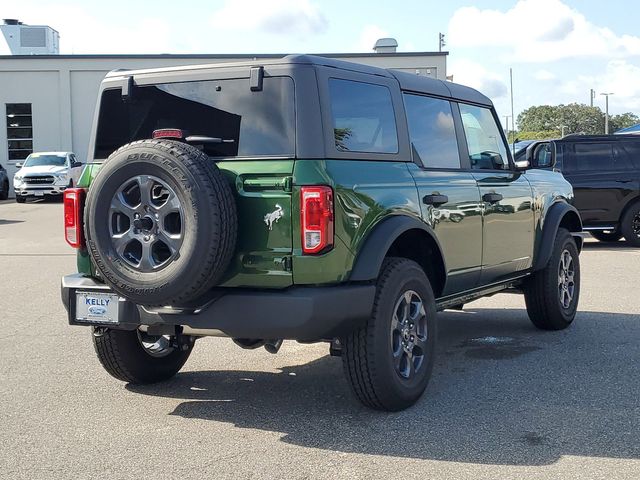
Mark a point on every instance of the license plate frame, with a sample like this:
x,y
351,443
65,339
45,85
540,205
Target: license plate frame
x,y
97,308
38,193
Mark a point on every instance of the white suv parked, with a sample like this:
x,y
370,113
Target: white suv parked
x,y
46,173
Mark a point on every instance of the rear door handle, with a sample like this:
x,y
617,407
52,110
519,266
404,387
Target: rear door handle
x,y
435,200
492,197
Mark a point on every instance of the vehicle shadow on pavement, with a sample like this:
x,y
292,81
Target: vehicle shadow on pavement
x,y
502,393
609,246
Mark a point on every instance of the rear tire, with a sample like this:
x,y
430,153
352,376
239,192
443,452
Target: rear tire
x,y
123,356
388,361
630,225
607,236
552,294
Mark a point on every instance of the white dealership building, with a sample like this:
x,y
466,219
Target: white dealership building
x,y
47,100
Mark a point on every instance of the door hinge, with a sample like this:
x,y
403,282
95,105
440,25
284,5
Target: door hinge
x,y
287,264
287,184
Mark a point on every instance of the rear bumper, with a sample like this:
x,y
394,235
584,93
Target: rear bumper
x,y
298,313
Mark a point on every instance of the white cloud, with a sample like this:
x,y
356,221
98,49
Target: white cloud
x,y
476,76
368,37
279,17
538,31
620,77
544,75
81,32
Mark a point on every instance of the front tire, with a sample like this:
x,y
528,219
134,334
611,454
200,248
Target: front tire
x,y
552,294
134,357
630,225
388,361
21,199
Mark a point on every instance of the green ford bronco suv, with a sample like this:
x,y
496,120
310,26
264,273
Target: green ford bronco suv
x,y
306,199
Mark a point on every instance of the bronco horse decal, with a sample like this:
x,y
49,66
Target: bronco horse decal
x,y
273,217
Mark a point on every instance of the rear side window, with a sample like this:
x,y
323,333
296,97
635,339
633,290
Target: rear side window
x,y
363,117
592,156
487,149
431,131
260,123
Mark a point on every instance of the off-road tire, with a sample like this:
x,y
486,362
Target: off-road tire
x,y
602,236
542,291
209,224
367,353
124,358
630,222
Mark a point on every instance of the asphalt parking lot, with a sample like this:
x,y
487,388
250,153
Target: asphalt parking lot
x,y
505,400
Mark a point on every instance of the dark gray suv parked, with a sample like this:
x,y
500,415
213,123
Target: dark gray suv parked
x,y
4,184
605,173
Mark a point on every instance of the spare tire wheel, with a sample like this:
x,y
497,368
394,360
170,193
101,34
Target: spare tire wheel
x,y
160,222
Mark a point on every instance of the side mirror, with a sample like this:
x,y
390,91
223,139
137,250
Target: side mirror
x,y
76,164
541,155
19,164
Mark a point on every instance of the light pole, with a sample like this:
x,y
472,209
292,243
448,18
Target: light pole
x,y
606,112
562,127
506,125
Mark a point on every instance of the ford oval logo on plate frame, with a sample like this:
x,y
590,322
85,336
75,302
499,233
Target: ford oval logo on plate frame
x,y
97,310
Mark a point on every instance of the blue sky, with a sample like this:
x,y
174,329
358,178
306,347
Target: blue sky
x,y
558,49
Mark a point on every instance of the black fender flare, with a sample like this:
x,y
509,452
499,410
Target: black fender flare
x,y
552,220
375,246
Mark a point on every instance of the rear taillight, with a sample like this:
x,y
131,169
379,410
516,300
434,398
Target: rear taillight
x,y
316,218
73,206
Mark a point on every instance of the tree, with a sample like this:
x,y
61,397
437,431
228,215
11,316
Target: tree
x,y
576,118
624,120
537,135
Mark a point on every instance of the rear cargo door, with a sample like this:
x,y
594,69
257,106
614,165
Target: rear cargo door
x,y
244,120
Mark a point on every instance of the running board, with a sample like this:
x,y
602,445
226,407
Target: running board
x,y
471,295
600,229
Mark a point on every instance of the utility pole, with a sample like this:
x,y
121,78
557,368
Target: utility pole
x,y
513,118
506,123
592,96
606,112
441,42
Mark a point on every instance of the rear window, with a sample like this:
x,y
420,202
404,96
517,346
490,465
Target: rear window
x,y
260,123
363,117
632,151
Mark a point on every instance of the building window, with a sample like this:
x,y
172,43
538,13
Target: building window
x,y
19,131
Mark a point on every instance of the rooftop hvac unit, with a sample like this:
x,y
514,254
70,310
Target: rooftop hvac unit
x,y
24,39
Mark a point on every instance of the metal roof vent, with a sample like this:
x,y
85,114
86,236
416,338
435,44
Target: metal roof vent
x,y
386,45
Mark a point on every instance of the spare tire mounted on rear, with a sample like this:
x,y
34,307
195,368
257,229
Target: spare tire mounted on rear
x,y
160,222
